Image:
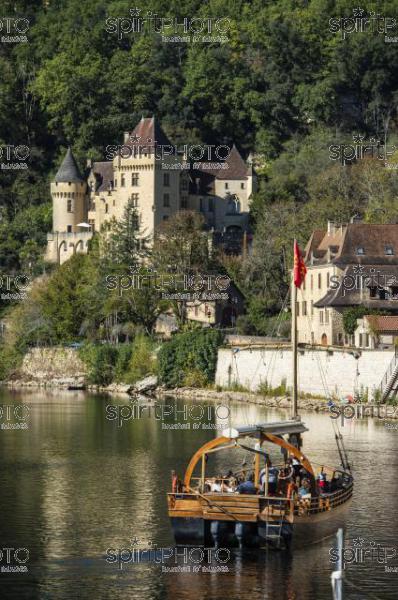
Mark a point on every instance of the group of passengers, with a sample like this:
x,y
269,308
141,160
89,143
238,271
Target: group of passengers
x,y
291,479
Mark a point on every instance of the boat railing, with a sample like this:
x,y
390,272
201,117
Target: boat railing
x,y
324,502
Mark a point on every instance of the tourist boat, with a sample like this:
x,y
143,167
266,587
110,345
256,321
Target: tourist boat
x,y
282,519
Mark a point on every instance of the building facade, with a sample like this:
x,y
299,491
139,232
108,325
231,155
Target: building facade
x,y
354,265
157,186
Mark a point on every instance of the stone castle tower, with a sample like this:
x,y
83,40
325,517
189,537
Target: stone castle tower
x,y
70,233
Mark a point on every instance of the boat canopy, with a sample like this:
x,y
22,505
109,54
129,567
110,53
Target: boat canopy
x,y
275,428
265,432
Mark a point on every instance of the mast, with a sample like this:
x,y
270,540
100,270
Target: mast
x,y
294,346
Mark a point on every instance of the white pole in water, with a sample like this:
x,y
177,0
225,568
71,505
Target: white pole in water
x,y
337,576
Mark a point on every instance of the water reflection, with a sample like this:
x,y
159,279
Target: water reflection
x,y
75,484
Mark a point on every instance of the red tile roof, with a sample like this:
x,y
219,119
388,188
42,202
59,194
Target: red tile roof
x,y
383,323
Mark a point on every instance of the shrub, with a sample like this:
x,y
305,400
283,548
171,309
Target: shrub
x,y
142,361
10,360
100,360
193,350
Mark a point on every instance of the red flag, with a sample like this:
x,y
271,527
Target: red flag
x,y
299,269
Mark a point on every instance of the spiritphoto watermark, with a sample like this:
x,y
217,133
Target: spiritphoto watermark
x,y
172,286
363,551
14,560
362,411
14,416
172,416
361,149
13,158
13,287
171,29
361,279
13,30
183,560
360,22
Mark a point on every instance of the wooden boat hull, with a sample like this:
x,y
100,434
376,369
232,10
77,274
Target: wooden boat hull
x,y
189,531
232,521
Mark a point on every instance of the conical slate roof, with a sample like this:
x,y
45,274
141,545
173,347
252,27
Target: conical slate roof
x,y
68,171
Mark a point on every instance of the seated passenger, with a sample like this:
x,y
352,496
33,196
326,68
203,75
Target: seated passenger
x,y
273,474
247,487
216,485
304,490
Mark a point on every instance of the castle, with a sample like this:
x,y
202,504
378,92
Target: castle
x,y
156,185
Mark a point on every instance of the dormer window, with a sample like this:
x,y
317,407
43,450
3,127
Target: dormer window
x,y
360,251
388,250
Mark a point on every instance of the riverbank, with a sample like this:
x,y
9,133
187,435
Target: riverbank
x,y
128,391
315,404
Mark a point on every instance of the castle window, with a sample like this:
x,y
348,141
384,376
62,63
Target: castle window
x,y
69,229
106,208
69,205
122,180
233,206
304,311
134,179
184,202
134,200
242,186
388,250
166,179
226,186
165,217
319,281
115,183
360,251
166,200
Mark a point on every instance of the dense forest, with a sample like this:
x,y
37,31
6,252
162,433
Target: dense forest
x,y
284,85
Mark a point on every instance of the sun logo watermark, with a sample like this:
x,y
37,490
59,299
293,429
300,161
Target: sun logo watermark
x,y
362,23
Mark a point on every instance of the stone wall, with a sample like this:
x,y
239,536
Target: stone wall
x,y
46,364
340,370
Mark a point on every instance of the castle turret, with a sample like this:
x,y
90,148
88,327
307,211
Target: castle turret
x,y
68,192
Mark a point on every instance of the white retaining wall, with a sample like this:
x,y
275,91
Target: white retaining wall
x,y
342,372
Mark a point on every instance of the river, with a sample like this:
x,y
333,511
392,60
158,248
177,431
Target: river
x,y
74,484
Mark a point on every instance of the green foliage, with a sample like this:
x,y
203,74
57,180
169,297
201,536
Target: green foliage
x,y
101,361
125,363
187,352
142,361
10,360
350,316
264,389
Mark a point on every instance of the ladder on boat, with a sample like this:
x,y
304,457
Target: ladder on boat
x,y
273,528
